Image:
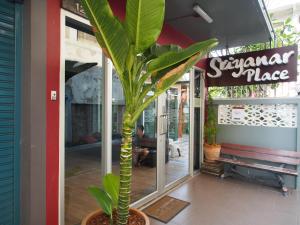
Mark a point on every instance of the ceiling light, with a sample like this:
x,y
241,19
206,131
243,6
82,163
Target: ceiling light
x,y
202,13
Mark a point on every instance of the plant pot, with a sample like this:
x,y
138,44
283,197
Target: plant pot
x,y
98,217
212,152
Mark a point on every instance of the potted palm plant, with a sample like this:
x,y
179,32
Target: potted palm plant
x,y
211,148
131,46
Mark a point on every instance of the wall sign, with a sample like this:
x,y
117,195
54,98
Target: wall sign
x,y
74,6
238,114
260,67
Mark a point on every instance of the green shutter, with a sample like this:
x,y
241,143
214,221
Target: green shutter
x,y
9,112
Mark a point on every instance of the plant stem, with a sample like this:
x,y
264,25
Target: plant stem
x,y
125,169
111,221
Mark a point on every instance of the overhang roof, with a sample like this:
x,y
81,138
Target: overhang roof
x,y
235,22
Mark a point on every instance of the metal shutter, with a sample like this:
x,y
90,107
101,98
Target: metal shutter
x,y
9,110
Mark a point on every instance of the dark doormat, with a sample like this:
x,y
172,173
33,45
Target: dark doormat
x,y
166,208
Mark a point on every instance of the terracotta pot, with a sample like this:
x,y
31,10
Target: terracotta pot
x,y
97,217
212,152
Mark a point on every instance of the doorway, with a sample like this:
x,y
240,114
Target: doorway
x,y
86,154
178,130
92,138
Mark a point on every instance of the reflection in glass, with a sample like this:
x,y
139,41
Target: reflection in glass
x,y
83,84
197,119
177,159
144,144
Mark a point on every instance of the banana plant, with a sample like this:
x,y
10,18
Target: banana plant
x,y
142,66
107,195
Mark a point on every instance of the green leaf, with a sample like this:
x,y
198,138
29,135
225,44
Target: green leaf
x,y
172,76
156,50
102,198
171,58
144,21
109,31
288,20
111,184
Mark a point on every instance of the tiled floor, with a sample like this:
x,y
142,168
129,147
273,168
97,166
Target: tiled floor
x,y
233,202
83,169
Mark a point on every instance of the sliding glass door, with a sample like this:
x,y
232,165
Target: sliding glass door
x,y
93,110
178,133
83,90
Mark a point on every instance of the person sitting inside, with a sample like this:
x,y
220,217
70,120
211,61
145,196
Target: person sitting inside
x,y
139,153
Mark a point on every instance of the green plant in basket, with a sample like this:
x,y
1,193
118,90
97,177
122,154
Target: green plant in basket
x,y
210,127
211,148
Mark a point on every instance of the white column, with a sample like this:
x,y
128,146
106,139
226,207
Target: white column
x,y
106,117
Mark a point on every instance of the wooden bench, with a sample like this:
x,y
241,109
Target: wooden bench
x,y
244,156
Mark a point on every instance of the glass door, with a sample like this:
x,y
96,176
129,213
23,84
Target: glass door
x,y
94,107
87,126
83,108
177,155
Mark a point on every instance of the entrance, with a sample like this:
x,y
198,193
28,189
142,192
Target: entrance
x,y
93,106
177,107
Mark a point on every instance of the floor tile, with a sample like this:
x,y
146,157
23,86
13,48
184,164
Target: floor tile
x,y
234,202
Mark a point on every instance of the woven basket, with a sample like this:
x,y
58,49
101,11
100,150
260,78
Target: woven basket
x,y
212,152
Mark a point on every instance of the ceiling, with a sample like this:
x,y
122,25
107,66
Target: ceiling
x,y
235,22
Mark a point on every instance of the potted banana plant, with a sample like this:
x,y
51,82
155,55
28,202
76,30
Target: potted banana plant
x,y
131,46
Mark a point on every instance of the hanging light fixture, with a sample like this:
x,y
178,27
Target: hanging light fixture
x,y
202,13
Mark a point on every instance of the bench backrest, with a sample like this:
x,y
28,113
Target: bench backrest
x,y
264,154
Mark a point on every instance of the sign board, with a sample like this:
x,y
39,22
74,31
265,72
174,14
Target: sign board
x,y
74,6
238,114
259,67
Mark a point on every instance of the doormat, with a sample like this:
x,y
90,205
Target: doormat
x,y
166,208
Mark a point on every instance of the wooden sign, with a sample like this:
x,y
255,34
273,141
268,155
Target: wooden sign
x,y
259,67
74,6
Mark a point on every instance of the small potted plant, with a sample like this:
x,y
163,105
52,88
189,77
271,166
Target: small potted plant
x,y
107,197
211,148
142,67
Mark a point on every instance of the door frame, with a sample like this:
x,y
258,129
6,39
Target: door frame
x,y
162,186
202,115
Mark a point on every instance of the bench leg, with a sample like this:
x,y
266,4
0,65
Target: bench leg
x,y
228,173
179,153
281,182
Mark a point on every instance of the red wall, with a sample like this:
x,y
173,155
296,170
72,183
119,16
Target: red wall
x,y
52,111
168,36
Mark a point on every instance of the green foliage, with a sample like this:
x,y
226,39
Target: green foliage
x,y
175,56
210,126
102,198
116,43
144,21
107,196
286,34
137,59
111,184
